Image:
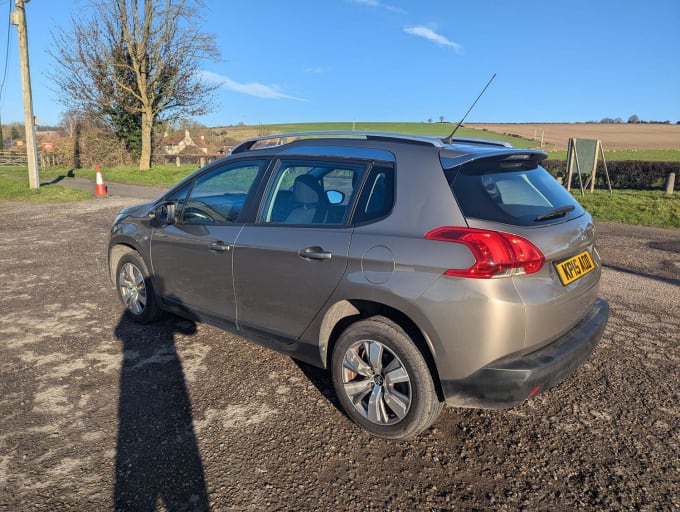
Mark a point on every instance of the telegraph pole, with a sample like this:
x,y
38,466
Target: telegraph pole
x,y
19,19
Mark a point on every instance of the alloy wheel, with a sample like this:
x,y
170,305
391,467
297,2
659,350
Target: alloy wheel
x,y
376,382
132,288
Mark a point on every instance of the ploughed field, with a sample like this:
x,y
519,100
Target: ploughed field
x,y
613,136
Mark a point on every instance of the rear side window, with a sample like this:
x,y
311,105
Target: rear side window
x,y
493,190
306,192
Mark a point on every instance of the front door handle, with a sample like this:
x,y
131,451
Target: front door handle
x,y
219,246
314,253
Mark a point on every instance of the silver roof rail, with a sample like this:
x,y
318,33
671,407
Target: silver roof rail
x,y
281,138
481,142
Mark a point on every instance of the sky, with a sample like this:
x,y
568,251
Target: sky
x,y
399,60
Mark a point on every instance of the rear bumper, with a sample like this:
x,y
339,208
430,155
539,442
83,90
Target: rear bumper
x,y
510,380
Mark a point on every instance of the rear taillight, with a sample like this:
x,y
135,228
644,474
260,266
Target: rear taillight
x,y
497,254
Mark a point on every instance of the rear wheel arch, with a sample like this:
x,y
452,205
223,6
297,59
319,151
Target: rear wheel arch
x,y
382,380
346,312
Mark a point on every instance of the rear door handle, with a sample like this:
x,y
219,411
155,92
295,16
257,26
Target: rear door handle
x,y
314,253
219,246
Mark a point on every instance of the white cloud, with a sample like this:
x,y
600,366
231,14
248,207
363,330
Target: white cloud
x,y
319,70
431,35
270,92
378,3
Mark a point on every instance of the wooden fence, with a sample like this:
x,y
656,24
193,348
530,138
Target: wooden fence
x,y
50,159
13,158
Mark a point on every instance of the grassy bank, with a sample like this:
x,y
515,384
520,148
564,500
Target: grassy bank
x,y
646,208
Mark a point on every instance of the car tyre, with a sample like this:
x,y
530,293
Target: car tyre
x,y
383,381
135,289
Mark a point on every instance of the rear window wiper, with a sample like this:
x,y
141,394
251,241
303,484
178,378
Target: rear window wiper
x,y
556,213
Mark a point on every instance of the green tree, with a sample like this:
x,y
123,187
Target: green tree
x,y
135,63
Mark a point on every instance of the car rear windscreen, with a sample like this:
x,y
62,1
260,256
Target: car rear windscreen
x,y
517,192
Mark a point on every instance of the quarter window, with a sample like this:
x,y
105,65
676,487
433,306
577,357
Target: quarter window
x,y
377,197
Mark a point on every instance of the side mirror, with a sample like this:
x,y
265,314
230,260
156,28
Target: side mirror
x,y
335,196
165,213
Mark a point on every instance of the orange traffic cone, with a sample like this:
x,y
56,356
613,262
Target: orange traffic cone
x,y
100,189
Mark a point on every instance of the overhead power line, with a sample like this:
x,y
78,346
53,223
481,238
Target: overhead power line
x,y
4,73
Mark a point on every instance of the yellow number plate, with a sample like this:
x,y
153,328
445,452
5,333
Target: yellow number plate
x,y
573,268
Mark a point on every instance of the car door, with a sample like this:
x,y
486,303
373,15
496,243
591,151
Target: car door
x,y
288,263
192,257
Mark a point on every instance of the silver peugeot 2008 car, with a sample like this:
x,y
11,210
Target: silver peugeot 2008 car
x,y
419,271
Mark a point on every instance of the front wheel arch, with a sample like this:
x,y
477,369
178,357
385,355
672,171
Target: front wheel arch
x,y
124,257
116,252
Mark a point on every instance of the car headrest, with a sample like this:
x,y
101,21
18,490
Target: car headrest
x,y
306,190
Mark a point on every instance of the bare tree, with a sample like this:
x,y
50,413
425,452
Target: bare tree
x,y
70,121
135,61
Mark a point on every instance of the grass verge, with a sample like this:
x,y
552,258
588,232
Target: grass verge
x,y
158,176
642,207
14,187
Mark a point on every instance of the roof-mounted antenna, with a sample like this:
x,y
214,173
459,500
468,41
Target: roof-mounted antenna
x,y
449,139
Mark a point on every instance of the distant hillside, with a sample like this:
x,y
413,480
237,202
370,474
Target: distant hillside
x,y
439,129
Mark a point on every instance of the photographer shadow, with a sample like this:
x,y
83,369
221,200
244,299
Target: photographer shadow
x,y
157,455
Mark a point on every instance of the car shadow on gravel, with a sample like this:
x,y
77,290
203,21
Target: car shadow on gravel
x,y
322,382
157,455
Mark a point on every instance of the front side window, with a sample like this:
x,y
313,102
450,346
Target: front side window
x,y
311,193
218,196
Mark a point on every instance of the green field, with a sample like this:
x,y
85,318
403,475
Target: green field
x,y
437,129
649,155
441,130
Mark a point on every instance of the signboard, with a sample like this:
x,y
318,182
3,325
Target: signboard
x,y
586,150
582,156
48,146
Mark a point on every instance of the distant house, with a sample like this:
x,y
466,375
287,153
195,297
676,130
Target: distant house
x,y
186,145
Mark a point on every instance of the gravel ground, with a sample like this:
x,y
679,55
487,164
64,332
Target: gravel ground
x,y
99,414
